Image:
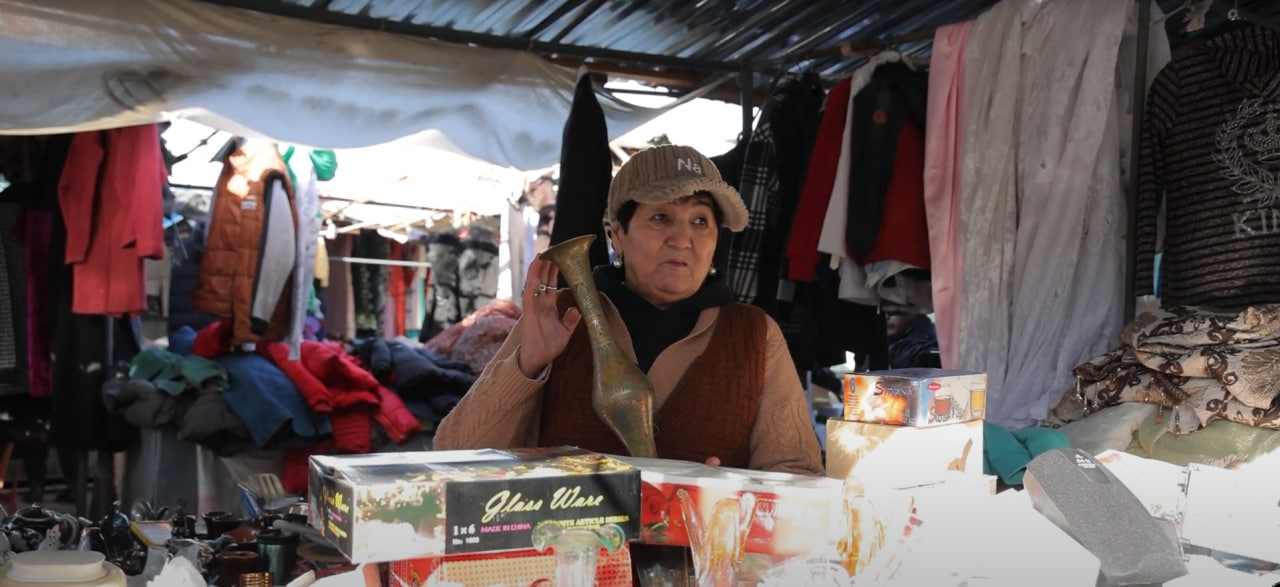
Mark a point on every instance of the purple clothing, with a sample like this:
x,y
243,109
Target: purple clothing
x,y
35,230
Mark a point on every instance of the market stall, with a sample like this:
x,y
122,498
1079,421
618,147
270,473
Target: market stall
x,y
951,171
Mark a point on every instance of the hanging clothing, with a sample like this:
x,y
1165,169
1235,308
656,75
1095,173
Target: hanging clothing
x,y
759,183
159,279
110,193
322,263
802,247
1042,201
897,265
34,229
306,169
396,289
251,249
893,98
79,419
1211,159
586,170
415,289
988,216
832,239
34,177
12,298
184,274
477,270
369,283
340,308
772,175
517,232
444,307
944,160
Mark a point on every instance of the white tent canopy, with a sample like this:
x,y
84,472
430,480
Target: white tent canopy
x,y
74,65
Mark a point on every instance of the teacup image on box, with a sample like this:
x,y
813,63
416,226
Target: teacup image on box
x,y
915,397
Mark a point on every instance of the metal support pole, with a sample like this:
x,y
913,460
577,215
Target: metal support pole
x,y
746,87
1135,158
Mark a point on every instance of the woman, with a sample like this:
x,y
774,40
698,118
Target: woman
x,y
725,389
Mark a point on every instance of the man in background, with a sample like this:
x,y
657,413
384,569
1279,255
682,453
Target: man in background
x,y
913,341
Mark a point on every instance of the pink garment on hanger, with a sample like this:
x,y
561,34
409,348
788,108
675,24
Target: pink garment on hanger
x,y
943,165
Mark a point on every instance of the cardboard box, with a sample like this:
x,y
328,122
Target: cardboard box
x,y
521,567
794,513
915,397
902,455
399,506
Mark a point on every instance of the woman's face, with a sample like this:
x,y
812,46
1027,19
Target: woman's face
x,y
667,248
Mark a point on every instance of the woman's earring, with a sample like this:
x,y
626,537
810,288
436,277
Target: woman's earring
x,y
617,262
713,271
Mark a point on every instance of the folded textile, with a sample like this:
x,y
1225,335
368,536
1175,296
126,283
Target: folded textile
x,y
443,342
270,404
417,375
329,382
481,342
429,384
201,416
1006,453
172,372
1240,350
1203,365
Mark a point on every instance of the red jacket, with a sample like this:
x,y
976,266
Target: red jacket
x,y
331,382
802,249
110,193
904,232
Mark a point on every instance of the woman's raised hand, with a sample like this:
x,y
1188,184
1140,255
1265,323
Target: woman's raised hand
x,y
544,332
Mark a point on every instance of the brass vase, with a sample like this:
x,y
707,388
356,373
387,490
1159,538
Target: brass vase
x,y
621,394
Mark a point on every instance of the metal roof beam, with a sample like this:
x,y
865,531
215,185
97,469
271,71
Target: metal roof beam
x,y
755,46
542,25
577,21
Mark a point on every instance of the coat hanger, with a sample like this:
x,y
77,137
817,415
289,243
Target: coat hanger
x,y
232,145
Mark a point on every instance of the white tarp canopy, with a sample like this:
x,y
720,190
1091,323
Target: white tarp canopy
x,y
74,65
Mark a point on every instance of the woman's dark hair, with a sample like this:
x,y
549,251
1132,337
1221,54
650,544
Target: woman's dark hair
x,y
627,210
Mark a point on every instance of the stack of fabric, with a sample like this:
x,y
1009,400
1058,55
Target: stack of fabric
x,y
476,338
326,389
1200,364
429,383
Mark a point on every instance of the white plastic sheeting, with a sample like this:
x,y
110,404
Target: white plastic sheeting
x,y
75,65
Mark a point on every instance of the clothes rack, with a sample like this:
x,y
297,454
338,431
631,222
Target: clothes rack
x,y
370,261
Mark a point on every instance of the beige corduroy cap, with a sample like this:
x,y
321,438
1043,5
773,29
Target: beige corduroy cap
x,y
662,174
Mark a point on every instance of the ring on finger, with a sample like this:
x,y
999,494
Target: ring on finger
x,y
544,287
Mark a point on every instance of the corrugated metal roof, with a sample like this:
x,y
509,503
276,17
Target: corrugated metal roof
x,y
690,35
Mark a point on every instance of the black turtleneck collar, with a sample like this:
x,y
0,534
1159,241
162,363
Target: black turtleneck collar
x,y
652,328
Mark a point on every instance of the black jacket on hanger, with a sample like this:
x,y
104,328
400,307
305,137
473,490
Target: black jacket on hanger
x,y
586,169
895,94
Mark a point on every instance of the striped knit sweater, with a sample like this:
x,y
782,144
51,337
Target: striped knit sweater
x,y
1211,157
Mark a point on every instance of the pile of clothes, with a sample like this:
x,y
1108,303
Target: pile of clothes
x,y
230,400
429,383
475,340
161,389
1200,364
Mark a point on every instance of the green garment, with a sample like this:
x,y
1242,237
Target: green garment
x,y
1221,443
1007,453
323,161
172,372
325,164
